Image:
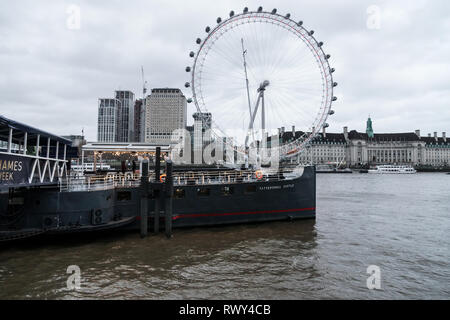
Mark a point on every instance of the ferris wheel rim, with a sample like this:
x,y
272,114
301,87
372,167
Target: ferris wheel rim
x,y
297,29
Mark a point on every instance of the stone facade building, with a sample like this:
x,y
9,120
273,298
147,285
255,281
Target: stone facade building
x,y
354,149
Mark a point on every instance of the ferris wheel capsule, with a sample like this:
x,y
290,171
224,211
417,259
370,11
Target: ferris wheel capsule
x,y
320,44
187,84
274,11
299,23
191,54
245,10
231,13
331,112
189,100
287,16
219,20
311,32
260,9
188,69
198,41
207,29
334,99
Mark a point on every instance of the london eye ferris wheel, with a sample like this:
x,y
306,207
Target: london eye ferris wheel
x,y
259,71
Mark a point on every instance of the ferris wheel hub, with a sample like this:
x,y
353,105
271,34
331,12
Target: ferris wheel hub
x,y
263,85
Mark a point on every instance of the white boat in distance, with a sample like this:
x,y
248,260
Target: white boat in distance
x,y
393,169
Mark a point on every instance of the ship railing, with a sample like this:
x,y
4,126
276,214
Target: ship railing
x,y
99,182
132,180
232,176
221,177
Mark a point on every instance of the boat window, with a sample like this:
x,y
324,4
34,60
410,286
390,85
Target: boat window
x,y
179,193
203,192
123,195
250,189
226,191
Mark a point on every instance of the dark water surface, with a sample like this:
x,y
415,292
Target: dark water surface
x,y
400,223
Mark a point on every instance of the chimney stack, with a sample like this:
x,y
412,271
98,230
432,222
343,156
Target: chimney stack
x,y
429,135
282,130
346,133
324,133
293,131
444,137
418,133
435,136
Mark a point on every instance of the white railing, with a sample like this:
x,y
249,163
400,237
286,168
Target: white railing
x,y
97,182
130,180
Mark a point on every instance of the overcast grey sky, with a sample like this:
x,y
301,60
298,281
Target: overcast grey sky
x,y
52,76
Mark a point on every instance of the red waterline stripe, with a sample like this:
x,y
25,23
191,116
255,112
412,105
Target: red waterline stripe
x,y
198,215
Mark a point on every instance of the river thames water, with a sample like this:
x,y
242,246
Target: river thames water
x,y
400,223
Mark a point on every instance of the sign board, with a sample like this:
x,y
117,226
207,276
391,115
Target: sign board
x,y
14,169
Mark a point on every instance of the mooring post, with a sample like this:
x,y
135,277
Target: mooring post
x,y
144,200
157,191
168,198
157,163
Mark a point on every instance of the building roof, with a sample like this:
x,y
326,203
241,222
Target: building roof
x,y
20,128
124,147
353,134
432,140
402,136
330,138
288,136
406,136
167,90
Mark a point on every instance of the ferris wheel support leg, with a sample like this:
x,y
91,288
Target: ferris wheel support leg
x,y
252,120
263,116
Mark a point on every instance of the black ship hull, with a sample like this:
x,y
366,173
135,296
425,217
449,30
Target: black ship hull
x,y
30,211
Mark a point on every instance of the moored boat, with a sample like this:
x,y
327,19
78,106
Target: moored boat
x,y
393,169
38,195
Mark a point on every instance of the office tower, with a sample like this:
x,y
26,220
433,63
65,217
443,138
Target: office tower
x,y
165,112
125,116
107,119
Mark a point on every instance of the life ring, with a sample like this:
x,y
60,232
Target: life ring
x,y
258,174
162,177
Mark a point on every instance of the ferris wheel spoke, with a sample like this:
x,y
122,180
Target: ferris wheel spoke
x,y
280,52
298,60
286,104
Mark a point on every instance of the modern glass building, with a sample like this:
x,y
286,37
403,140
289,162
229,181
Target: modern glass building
x,y
125,116
107,119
